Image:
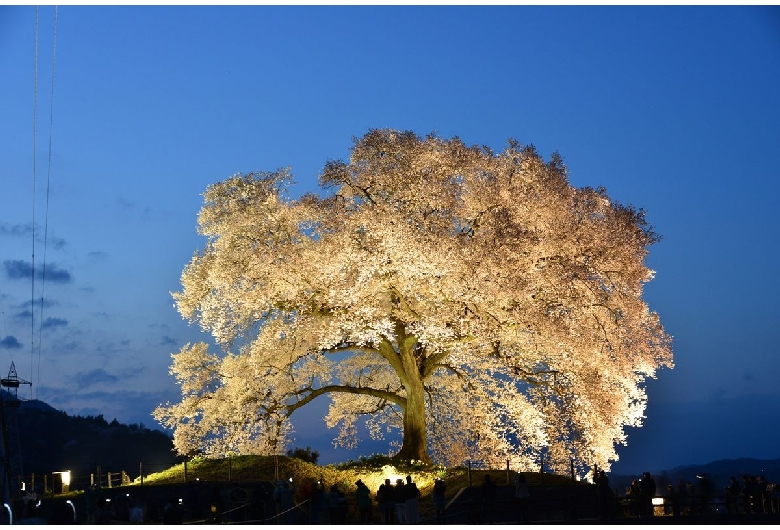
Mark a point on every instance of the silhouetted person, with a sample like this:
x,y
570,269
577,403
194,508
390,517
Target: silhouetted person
x,y
257,502
647,492
760,502
103,513
748,492
683,498
337,505
62,513
364,502
121,505
136,514
692,496
284,498
522,497
239,504
172,512
671,502
488,496
732,495
193,500
386,500
317,500
90,497
30,514
399,495
411,504
706,491
634,494
604,493
30,511
439,500
772,499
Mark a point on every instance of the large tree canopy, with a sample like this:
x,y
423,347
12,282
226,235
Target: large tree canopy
x,y
469,304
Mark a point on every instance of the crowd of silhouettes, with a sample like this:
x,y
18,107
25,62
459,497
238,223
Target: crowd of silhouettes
x,y
753,494
398,503
757,495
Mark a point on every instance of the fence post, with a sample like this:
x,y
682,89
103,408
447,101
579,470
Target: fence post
x,y
45,484
99,476
185,471
141,472
108,479
507,471
469,473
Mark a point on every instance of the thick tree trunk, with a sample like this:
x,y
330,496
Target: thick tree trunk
x,y
415,443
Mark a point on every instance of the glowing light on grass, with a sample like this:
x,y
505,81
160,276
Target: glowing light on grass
x,y
374,479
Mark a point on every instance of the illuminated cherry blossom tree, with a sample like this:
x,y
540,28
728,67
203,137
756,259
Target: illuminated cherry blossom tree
x,y
467,304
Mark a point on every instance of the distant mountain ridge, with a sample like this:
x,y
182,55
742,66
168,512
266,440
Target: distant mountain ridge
x,y
718,471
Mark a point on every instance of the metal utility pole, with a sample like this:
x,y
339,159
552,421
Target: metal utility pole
x,y
10,449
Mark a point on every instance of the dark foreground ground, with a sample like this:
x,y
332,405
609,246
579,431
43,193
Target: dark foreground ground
x,y
253,504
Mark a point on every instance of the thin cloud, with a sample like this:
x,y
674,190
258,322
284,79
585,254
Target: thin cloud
x,y
124,203
168,341
17,269
132,208
40,303
71,346
26,230
9,342
56,243
51,323
53,274
17,230
93,377
23,270
25,309
23,315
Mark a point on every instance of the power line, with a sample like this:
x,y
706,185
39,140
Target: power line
x,y
34,197
2,315
34,178
48,186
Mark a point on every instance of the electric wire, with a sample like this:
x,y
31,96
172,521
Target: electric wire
x,y
46,214
2,315
34,178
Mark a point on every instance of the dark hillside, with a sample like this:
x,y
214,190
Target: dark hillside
x,y
51,440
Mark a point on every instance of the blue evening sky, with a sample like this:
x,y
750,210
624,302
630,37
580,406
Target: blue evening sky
x,y
674,109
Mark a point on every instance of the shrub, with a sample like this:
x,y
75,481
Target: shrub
x,y
307,455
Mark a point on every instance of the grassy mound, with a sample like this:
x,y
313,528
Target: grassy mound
x,y
372,471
